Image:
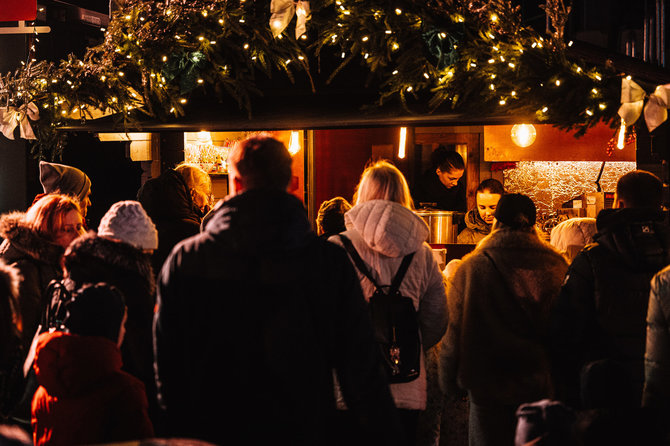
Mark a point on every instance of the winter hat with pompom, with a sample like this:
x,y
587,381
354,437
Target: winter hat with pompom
x,y
128,222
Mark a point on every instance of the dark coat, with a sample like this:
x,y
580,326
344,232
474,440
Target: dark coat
x,y
38,262
601,311
168,202
84,397
495,345
253,316
429,189
93,259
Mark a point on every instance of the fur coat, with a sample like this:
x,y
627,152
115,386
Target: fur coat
x,y
499,299
38,262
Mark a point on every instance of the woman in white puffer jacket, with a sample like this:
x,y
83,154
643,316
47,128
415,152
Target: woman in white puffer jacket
x,y
383,229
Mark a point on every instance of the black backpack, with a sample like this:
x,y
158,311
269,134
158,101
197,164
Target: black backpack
x,y
394,321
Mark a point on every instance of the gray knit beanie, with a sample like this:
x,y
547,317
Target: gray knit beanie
x,y
68,180
128,222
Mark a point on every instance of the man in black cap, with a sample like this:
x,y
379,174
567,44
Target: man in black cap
x,y
498,301
602,308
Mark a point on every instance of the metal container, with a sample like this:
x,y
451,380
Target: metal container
x,y
443,225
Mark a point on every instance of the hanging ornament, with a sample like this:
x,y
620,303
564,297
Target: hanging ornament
x,y
282,14
656,110
632,100
303,14
12,117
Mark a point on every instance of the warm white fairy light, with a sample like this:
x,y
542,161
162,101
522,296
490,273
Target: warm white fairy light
x,y
622,133
402,142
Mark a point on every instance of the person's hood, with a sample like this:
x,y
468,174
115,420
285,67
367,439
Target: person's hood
x,y
69,365
90,253
167,197
261,220
387,227
525,263
21,240
577,231
475,222
639,237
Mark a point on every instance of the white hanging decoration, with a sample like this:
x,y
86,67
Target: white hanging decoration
x,y
282,13
12,117
656,110
303,14
632,100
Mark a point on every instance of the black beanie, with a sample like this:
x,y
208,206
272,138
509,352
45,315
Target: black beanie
x,y
95,310
516,211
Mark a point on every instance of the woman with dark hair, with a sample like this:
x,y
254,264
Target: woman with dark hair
x,y
499,299
478,221
441,186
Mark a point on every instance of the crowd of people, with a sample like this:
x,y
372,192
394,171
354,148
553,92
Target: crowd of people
x,y
239,324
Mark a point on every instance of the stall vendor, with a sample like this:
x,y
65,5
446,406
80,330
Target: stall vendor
x,y
439,187
478,221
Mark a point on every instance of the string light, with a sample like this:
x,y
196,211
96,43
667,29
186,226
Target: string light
x,y
402,142
622,133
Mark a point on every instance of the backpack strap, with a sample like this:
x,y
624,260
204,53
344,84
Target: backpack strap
x,y
362,267
358,261
404,266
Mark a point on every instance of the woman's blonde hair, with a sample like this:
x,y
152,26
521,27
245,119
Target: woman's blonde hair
x,y
195,177
46,215
381,180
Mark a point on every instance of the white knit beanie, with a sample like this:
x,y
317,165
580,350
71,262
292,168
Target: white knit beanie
x,y
128,222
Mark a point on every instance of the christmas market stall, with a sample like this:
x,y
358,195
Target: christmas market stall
x,y
343,81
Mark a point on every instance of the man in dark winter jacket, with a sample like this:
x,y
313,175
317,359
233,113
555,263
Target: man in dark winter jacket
x,y
601,311
256,312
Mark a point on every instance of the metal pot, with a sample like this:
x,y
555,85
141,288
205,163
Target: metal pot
x,y
443,225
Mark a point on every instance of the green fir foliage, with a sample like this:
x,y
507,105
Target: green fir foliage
x,y
473,57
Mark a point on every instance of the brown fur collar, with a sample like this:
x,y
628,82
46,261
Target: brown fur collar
x,y
26,241
91,251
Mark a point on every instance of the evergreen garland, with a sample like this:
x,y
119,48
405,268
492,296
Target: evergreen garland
x,y
472,57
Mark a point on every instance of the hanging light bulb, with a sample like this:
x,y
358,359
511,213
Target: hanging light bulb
x,y
523,135
294,143
402,143
622,135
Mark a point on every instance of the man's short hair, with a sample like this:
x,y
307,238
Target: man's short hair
x,y
262,162
640,189
492,185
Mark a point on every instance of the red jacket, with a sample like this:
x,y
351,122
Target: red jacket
x,y
84,397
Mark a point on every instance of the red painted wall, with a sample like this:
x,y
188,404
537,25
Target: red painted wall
x,y
340,157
